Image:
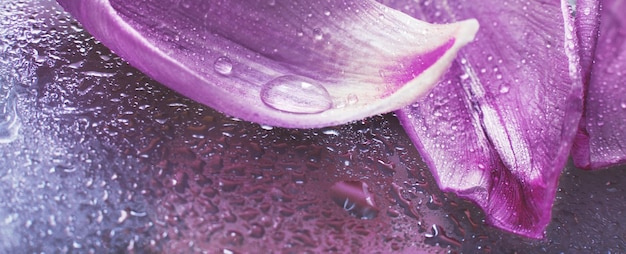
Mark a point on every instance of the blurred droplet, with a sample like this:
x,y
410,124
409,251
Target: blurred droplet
x,y
355,198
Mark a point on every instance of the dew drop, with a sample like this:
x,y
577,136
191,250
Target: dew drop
x,y
295,94
623,105
352,99
355,198
318,35
256,231
504,88
9,120
223,65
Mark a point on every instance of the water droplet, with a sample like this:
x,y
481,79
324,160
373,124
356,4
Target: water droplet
x,y
256,230
354,197
123,216
9,120
318,35
439,237
623,105
504,88
296,95
234,238
352,99
223,65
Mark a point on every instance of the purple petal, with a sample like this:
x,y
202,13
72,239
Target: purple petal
x,y
601,139
499,127
283,63
587,24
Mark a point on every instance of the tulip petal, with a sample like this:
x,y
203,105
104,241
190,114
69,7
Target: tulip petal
x,y
587,23
282,63
601,139
499,127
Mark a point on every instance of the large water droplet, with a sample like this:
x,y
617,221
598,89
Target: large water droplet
x,y
9,120
223,65
296,95
354,197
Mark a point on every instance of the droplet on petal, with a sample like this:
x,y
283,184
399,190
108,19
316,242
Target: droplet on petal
x,y
339,47
223,65
295,94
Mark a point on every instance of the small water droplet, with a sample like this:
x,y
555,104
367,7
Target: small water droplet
x,y
223,65
354,197
296,95
352,99
123,216
623,105
318,35
504,88
439,237
256,230
233,238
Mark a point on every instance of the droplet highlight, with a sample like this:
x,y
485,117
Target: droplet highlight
x,y
296,94
223,65
355,198
504,88
9,120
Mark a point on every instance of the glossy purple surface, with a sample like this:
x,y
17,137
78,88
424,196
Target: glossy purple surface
x,y
106,160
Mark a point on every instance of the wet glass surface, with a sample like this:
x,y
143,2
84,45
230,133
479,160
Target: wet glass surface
x,y
95,157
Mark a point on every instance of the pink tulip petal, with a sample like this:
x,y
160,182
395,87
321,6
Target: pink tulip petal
x,y
601,139
499,127
282,63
